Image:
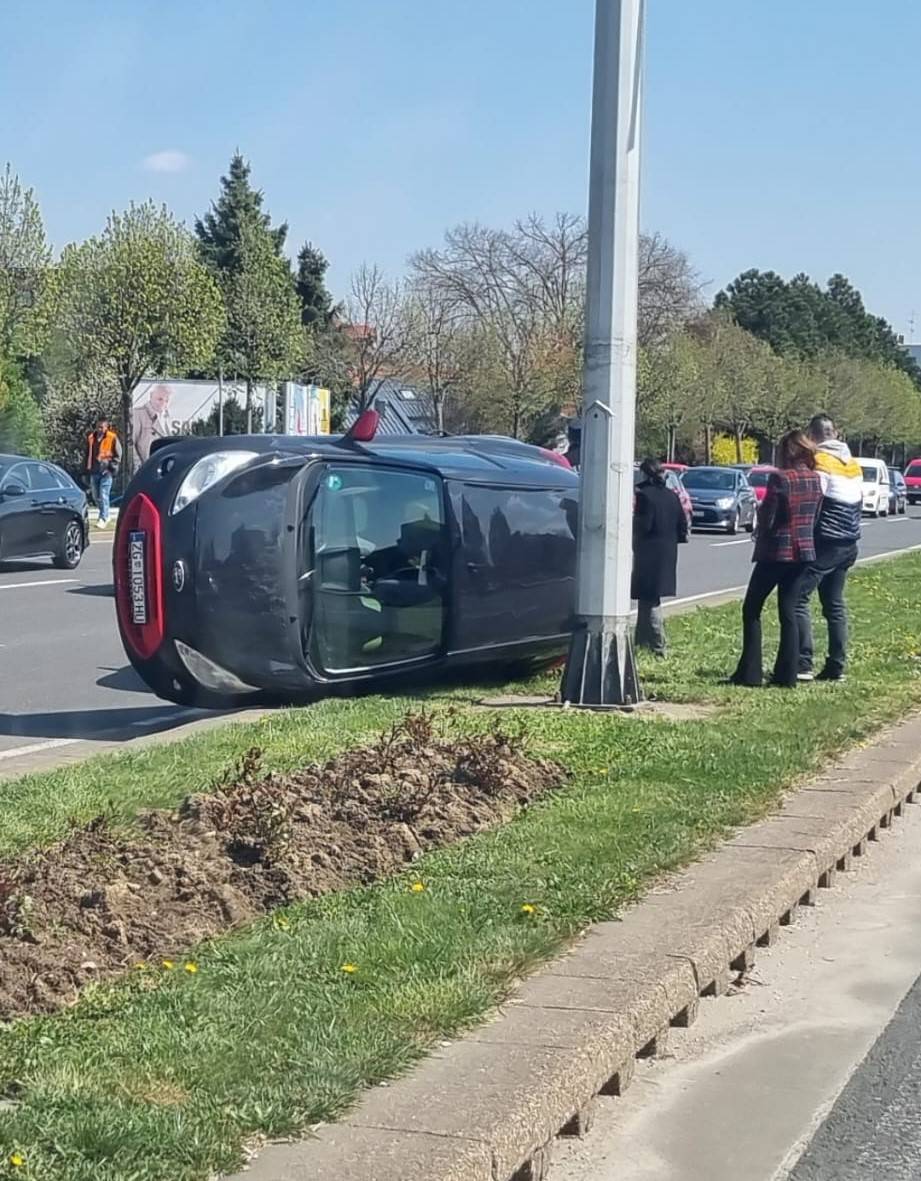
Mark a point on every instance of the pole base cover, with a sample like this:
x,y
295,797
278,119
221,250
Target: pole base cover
x,y
601,668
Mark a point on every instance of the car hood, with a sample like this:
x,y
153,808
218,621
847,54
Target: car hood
x,y
709,495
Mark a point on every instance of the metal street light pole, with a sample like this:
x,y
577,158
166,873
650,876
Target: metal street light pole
x,y
601,670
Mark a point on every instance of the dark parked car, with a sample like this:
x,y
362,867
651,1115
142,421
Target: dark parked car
x,y
721,498
898,492
42,512
268,567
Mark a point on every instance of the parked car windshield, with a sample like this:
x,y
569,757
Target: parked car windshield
x,y
913,469
376,567
708,477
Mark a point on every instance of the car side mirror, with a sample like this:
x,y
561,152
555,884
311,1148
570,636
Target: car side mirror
x,y
12,489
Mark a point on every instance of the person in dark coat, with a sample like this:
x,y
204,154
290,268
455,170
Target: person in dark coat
x,y
659,524
784,548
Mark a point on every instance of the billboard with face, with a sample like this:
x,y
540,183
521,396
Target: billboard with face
x,y
163,409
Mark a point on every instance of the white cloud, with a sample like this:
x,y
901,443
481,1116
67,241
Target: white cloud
x,y
169,161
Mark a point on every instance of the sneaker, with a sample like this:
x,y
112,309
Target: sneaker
x,y
831,674
806,676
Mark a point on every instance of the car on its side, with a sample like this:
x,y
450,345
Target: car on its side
x,y
43,513
898,492
721,498
673,481
275,568
876,485
913,481
758,477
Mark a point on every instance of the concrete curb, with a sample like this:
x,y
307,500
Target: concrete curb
x,y
489,1106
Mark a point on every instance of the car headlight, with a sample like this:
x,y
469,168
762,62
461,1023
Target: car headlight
x,y
725,502
206,473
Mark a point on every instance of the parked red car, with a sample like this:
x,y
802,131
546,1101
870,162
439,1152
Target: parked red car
x,y
913,481
758,478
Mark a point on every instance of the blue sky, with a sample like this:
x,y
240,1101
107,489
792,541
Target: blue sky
x,y
779,133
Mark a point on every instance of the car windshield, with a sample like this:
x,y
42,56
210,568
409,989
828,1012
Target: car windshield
x,y
870,475
913,469
376,567
4,468
708,477
758,479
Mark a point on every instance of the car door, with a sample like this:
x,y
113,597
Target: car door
x,y
49,506
18,518
746,497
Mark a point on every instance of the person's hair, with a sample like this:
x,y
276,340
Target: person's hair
x,y
820,428
653,470
797,450
102,419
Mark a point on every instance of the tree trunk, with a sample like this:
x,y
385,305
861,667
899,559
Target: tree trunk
x,y
671,447
439,401
708,444
127,430
738,436
773,453
249,406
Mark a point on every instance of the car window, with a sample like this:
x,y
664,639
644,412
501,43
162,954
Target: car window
x,y
41,477
913,469
708,477
18,474
378,567
870,475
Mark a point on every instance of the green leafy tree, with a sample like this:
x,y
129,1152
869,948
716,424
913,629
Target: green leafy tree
x,y
317,306
234,419
263,338
237,209
21,430
26,278
670,390
137,301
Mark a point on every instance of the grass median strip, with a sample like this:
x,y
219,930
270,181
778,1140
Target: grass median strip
x,y
169,1072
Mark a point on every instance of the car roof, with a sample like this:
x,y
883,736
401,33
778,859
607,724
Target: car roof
x,y
7,458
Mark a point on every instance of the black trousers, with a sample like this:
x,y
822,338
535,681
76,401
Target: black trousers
x,y
787,577
829,573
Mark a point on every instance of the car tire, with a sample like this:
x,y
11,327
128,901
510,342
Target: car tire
x,y
732,525
70,547
750,527
903,509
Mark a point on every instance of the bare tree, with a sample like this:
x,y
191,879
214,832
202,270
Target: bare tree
x,y
439,345
378,331
669,289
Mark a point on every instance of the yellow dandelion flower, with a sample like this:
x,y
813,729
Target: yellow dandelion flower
x,y
529,909
417,887
282,923
191,967
17,1160
168,965
350,969
139,967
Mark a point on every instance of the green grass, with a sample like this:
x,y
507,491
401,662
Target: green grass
x,y
166,1075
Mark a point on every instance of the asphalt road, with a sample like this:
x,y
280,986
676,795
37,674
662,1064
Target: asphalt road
x,y
64,678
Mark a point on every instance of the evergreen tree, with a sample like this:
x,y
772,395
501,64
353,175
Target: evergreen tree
x,y
237,209
310,283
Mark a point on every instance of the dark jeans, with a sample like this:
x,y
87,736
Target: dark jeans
x,y
787,577
828,574
650,627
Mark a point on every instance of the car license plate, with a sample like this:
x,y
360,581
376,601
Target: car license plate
x,y
137,575
697,512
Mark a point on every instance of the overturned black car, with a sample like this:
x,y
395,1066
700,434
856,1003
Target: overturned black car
x,y
271,568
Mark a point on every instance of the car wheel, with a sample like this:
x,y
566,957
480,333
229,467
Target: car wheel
x,y
70,547
903,509
732,525
750,527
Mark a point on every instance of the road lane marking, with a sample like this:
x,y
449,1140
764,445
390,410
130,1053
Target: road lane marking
x,y
726,590
720,544
35,747
40,582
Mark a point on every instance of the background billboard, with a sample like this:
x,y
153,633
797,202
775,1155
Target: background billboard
x,y
164,408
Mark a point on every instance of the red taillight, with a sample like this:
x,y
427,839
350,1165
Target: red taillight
x,y
555,456
139,576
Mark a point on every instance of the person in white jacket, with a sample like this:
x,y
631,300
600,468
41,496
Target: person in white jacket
x,y
837,536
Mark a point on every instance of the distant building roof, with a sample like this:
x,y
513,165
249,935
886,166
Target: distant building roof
x,y
404,409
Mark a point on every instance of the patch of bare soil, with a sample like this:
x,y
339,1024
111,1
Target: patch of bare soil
x,y
101,901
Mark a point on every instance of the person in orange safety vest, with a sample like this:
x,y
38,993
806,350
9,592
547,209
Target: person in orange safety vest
x,y
103,457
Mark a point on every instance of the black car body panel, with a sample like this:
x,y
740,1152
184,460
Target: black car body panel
x,y
322,562
39,502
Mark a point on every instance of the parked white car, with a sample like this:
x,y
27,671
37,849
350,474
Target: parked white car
x,y
875,486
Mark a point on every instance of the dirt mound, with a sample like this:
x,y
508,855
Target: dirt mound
x,y
101,902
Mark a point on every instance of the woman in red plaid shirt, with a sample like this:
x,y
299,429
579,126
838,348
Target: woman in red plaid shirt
x,y
784,544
